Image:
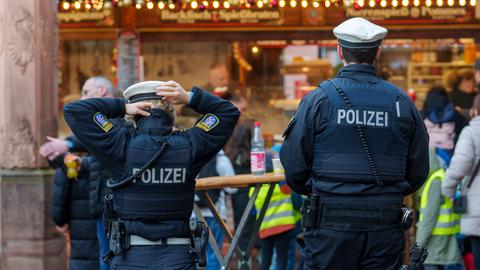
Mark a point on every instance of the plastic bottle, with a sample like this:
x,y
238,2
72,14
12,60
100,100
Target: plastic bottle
x,y
257,153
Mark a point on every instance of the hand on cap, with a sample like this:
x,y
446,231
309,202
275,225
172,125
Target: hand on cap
x,y
53,148
138,108
173,92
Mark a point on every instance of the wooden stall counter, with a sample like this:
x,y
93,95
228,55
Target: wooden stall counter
x,y
241,180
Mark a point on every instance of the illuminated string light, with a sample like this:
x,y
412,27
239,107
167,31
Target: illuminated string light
x,y
226,4
161,5
371,3
383,3
282,3
405,3
416,3
462,2
394,3
304,3
293,3
316,4
149,5
473,3
194,4
138,6
247,5
88,6
171,6
260,4
328,3
439,3
66,5
428,3
77,5
361,3
216,4
255,50
450,2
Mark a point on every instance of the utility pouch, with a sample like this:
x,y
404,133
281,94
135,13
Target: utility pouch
x,y
408,216
310,212
200,235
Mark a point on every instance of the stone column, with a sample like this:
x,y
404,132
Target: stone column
x,y
28,111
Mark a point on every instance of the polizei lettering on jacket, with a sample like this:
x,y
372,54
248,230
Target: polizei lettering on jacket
x,y
362,117
161,176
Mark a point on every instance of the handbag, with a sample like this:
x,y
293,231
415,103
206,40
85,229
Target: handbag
x,y
460,202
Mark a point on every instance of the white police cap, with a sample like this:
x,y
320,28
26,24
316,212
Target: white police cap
x,y
142,91
359,33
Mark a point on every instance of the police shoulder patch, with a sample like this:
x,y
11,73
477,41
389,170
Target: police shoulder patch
x,y
208,122
102,122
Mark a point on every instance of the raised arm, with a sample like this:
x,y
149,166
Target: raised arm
x,y
89,121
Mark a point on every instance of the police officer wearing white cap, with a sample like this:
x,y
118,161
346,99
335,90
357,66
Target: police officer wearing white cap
x,y
357,145
153,193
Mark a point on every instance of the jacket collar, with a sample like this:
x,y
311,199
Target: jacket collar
x,y
158,123
360,72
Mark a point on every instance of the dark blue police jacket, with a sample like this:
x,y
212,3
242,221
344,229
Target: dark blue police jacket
x,y
323,152
158,204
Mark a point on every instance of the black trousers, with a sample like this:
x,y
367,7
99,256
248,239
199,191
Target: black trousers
x,y
171,257
326,249
475,240
280,243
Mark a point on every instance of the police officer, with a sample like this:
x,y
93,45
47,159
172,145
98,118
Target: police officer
x,y
357,144
153,198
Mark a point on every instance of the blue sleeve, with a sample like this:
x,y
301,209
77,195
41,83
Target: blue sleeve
x,y
102,139
418,165
74,145
212,131
296,154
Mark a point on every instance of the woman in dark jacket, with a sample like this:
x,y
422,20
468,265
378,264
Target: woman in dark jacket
x,y
71,214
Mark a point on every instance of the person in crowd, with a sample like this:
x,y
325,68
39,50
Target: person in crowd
x,y
356,145
462,83
466,156
237,150
94,87
153,196
218,80
438,225
70,212
278,226
442,121
218,166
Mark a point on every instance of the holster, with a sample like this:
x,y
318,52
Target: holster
x,y
108,214
418,255
200,234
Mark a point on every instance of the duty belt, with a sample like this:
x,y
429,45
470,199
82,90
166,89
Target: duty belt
x,y
353,216
136,240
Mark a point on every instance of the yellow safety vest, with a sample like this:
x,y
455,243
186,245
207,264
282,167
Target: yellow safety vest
x,y
447,221
280,215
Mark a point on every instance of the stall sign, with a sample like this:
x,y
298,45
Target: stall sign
x,y
424,12
104,17
219,16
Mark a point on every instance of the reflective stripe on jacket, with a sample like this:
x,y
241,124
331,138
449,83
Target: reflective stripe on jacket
x,y
280,216
447,221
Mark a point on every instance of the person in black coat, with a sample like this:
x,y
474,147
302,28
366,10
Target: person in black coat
x,y
71,214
